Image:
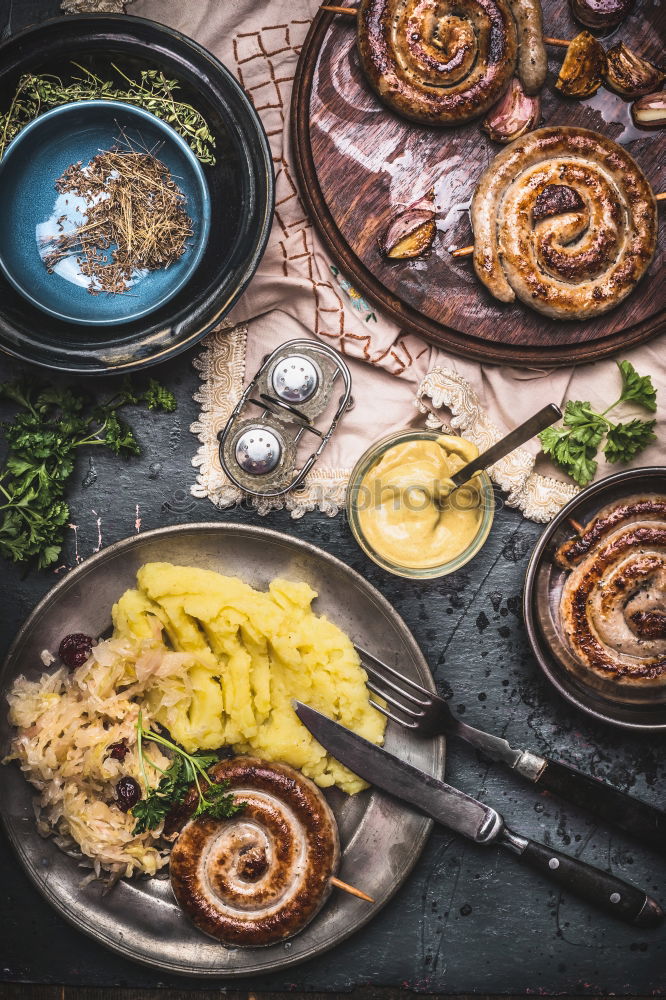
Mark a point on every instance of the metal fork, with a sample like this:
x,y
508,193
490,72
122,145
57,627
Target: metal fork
x,y
427,714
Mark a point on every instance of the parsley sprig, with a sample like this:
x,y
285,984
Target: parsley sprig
x,y
50,426
575,444
184,771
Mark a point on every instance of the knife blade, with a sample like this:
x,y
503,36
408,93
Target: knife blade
x,y
475,820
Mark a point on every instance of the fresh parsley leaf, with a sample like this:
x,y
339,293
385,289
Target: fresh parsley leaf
x,y
185,771
119,437
217,802
574,445
625,441
638,388
158,397
587,426
50,424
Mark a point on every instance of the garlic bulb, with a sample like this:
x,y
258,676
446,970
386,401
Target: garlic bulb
x,y
583,67
513,115
412,231
601,15
650,111
630,75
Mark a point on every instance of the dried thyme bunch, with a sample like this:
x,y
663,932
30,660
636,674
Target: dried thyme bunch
x,y
152,91
135,219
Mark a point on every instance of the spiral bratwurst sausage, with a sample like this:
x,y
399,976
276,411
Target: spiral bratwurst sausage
x,y
444,62
565,220
262,875
614,601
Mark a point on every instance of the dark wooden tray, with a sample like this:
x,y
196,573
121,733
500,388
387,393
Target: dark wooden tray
x,y
358,163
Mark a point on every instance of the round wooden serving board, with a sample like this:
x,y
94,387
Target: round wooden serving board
x,y
358,164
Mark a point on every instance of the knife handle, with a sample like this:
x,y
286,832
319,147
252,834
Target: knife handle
x,y
619,898
645,822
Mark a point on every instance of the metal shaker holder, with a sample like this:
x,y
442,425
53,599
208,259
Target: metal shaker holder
x,y
292,388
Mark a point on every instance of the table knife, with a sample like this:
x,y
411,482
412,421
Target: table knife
x,y
480,823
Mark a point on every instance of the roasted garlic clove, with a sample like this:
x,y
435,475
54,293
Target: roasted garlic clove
x,y
583,67
650,111
513,115
601,15
412,232
554,200
630,75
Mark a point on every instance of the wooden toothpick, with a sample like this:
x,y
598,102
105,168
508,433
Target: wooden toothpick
x,y
339,884
345,11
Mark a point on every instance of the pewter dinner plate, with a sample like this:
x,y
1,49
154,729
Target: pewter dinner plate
x,y
381,838
543,592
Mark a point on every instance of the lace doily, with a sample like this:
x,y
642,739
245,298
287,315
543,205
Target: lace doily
x,y
221,367
538,497
94,6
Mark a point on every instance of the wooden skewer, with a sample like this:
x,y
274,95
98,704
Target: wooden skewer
x,y
352,12
576,525
346,11
468,251
339,884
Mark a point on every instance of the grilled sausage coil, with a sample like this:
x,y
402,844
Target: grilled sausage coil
x,y
262,875
613,603
444,62
566,262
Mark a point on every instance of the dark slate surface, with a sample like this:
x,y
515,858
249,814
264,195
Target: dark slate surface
x,y
469,919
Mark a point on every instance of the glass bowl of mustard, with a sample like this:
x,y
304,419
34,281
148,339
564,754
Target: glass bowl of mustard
x,y
404,512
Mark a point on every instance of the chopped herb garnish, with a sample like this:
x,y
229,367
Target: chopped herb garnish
x,y
574,445
51,424
184,771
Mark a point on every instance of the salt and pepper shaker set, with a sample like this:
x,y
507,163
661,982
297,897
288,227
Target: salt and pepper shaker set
x,y
292,388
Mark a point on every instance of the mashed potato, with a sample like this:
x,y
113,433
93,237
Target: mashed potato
x,y
251,653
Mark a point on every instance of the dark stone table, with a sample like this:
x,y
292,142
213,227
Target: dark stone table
x,y
468,919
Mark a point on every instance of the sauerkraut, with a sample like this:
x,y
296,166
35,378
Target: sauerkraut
x,y
66,721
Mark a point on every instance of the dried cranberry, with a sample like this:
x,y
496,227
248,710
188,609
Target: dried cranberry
x,y
128,793
118,750
75,649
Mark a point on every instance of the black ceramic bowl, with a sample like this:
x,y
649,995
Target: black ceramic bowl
x,y
240,185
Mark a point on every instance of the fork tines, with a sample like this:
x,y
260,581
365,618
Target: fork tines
x,y
384,679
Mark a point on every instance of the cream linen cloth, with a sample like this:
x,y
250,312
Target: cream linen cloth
x,y
297,292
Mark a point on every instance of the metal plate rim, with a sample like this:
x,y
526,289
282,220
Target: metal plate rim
x,y
530,611
222,527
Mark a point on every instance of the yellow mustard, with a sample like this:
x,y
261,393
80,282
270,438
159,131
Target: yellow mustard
x,y
407,511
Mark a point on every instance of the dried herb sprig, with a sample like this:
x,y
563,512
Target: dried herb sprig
x,y
135,218
152,91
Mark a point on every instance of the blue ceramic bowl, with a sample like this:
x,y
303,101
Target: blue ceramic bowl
x,y
32,164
